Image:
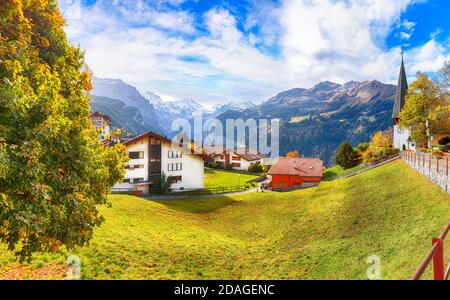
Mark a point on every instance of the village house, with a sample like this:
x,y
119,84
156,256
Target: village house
x,y
152,155
238,159
101,122
295,173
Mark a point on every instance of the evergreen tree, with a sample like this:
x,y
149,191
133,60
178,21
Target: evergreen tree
x,y
346,156
53,170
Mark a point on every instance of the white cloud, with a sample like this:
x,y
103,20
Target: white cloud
x,y
405,35
342,41
406,29
408,25
318,40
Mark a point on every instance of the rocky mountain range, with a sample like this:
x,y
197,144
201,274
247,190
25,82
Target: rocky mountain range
x,y
138,113
313,121
126,96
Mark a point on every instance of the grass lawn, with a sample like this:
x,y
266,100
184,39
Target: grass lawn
x,y
221,178
322,233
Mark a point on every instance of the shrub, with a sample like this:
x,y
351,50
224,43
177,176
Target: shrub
x,y
228,167
361,148
257,168
444,141
374,154
424,150
213,165
439,147
438,153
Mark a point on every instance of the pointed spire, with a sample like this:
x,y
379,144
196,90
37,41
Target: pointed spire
x,y
402,88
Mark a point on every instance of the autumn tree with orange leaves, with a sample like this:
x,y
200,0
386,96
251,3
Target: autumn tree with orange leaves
x,y
293,154
53,170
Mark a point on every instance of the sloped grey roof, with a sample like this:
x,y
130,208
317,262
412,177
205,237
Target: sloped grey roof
x,y
402,88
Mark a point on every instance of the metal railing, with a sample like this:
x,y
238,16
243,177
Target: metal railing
x,y
436,255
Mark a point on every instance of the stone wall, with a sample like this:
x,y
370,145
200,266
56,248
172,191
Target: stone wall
x,y
430,171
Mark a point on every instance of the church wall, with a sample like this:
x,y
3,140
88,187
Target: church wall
x,y
401,137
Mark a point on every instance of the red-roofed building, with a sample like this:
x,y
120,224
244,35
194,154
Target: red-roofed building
x,y
152,155
290,173
238,159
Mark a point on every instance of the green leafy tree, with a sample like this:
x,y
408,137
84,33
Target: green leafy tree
x,y
362,147
426,109
53,170
257,168
346,156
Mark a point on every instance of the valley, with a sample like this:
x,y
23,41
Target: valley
x,y
314,121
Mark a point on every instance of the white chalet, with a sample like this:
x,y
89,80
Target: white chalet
x,y
151,155
238,159
101,122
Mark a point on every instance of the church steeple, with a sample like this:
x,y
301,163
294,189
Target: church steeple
x,y
402,87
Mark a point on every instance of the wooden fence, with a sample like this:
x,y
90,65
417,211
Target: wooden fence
x,y
426,160
436,169
216,190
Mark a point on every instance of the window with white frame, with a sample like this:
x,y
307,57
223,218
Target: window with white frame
x,y
175,167
174,154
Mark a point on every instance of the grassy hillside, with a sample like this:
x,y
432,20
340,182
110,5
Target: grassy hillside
x,y
334,171
323,233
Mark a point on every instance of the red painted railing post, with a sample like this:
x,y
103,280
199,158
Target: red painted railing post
x,y
446,164
438,260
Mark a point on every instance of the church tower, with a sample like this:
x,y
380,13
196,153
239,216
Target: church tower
x,y
402,88
402,138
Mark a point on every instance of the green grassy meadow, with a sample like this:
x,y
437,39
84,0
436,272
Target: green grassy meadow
x,y
223,178
321,233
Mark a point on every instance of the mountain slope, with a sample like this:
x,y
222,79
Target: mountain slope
x,y
157,115
117,89
169,111
122,116
315,121
222,108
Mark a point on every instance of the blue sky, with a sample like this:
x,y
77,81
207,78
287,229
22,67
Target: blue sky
x,y
235,51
